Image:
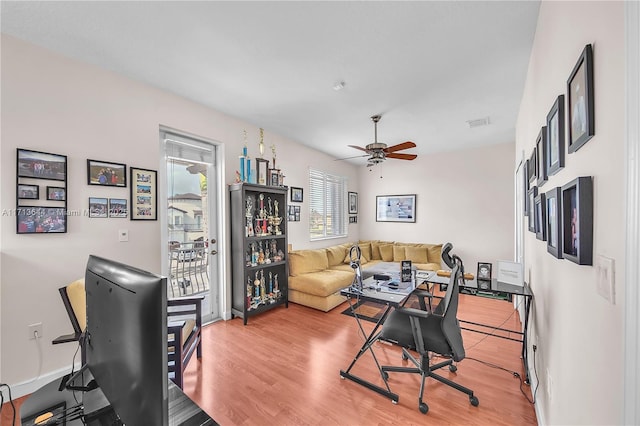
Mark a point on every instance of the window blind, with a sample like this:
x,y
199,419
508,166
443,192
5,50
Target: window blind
x,y
327,205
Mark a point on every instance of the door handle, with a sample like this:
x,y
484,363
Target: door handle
x,y
214,251
213,241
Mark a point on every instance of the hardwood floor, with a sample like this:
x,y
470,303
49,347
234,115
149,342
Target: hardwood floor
x,y
283,368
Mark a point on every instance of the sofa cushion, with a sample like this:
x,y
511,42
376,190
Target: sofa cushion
x,y
398,253
365,247
305,261
363,259
434,253
335,254
416,254
321,283
386,252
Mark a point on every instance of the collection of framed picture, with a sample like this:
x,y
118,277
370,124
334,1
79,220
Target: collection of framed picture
x,y
42,208
353,207
563,216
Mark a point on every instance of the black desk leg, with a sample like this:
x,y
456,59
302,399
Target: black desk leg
x,y
366,346
525,356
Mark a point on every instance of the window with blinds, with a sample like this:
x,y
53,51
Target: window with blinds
x,y
327,205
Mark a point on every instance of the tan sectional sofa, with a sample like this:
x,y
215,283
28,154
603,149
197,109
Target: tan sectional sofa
x,y
316,276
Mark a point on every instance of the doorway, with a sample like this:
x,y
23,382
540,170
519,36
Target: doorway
x,y
190,222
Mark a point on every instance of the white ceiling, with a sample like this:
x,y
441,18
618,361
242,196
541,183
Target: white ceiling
x,y
427,67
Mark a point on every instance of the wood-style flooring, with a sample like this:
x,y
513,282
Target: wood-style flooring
x,y
282,368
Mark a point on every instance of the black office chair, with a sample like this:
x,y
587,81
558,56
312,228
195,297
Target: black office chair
x,y
425,332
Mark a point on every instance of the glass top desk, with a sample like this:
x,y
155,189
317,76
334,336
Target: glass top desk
x,y
494,290
378,292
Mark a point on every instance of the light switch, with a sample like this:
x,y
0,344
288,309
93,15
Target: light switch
x,y
123,235
606,278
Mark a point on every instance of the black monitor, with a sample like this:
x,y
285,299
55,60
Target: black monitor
x,y
126,340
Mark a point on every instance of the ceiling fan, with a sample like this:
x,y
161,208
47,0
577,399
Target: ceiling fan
x,y
378,151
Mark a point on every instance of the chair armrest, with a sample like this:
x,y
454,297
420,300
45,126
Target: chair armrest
x,y
422,293
189,300
413,312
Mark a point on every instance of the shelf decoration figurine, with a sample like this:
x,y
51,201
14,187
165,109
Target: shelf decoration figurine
x,y
249,217
276,220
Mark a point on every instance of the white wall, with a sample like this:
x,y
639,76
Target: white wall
x,y
579,334
53,104
463,197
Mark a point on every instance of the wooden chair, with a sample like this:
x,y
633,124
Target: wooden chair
x,y
184,325
185,338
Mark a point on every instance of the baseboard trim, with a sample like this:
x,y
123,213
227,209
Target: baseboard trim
x,y
28,387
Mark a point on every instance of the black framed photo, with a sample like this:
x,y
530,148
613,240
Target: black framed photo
x,y
297,213
555,137
118,207
353,203
104,173
41,165
292,213
577,220
540,217
484,271
296,194
396,208
554,222
541,151
56,193
532,167
531,197
144,194
353,219
98,207
28,192
580,101
41,220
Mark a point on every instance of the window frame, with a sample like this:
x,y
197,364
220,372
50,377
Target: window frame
x,y
322,197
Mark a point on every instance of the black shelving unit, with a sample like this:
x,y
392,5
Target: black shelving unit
x,y
260,270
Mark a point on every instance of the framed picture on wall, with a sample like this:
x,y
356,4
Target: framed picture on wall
x,y
98,207
555,137
28,192
106,174
396,208
353,203
41,220
541,150
118,207
554,222
41,165
531,197
532,164
144,194
580,101
296,194
577,221
540,217
56,193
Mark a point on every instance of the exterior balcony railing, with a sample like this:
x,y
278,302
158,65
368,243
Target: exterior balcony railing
x,y
189,269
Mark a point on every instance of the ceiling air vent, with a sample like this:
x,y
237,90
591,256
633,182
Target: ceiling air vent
x,y
478,122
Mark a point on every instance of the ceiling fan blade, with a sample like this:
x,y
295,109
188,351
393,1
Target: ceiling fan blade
x,y
349,158
402,156
400,146
358,147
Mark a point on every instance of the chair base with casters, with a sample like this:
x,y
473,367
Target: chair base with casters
x,y
184,334
423,368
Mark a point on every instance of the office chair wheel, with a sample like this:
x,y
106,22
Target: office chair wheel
x,y
453,368
423,408
474,401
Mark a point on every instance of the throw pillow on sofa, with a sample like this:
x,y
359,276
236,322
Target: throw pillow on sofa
x,y
416,254
386,252
398,253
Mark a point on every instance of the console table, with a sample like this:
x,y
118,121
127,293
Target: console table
x,y
182,410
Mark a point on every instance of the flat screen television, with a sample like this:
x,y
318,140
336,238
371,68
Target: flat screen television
x,y
126,340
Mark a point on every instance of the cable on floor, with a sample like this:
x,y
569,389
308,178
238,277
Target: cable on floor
x,y
13,407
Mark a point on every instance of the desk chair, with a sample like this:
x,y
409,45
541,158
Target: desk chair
x,y
184,326
423,331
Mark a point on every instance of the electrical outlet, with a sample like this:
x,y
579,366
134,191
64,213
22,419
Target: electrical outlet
x,y
33,329
123,235
606,278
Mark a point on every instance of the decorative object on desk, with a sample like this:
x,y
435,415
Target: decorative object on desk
x,y
554,222
353,219
580,101
353,203
56,193
555,137
540,217
532,166
396,208
484,275
405,271
41,165
105,173
444,273
577,221
41,220
296,194
28,192
144,194
510,272
541,150
262,171
531,196
118,207
98,207
54,415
